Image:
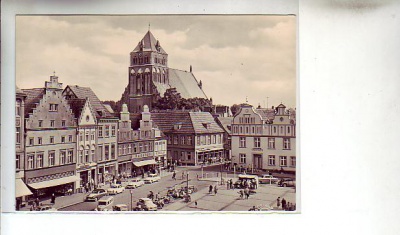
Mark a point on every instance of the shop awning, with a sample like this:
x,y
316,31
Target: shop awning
x,y
145,162
55,182
21,189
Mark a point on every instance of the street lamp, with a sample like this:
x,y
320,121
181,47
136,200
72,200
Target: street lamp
x,y
131,200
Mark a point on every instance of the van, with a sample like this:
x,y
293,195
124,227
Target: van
x,y
246,178
105,203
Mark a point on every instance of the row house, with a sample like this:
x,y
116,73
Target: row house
x,y
226,124
264,138
193,138
142,149
50,143
104,165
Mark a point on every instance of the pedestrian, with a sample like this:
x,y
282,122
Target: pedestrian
x,y
195,203
283,204
183,175
215,189
231,183
174,176
210,189
53,198
241,194
37,202
227,185
278,202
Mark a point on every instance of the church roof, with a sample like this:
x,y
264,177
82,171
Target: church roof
x,y
86,92
33,97
185,83
149,43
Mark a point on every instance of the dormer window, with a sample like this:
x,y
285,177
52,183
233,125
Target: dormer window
x,y
206,125
177,126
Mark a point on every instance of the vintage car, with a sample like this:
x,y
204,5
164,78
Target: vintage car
x,y
267,179
105,204
96,194
151,179
191,189
287,182
120,207
134,183
146,204
45,208
116,189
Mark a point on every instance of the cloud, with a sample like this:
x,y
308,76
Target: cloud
x,y
234,56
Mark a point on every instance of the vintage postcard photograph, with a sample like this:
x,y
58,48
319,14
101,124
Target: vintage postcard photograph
x,y
156,113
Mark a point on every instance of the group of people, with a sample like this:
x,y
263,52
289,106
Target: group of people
x,y
212,188
285,205
244,193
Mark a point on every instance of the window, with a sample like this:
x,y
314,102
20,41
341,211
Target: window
x,y
63,123
51,139
151,146
175,139
93,153
107,152
288,130
169,139
283,160
271,160
271,143
18,108
18,135
129,148
52,158
31,141
107,131
70,138
242,158
39,160
214,139
242,142
81,155
189,140
62,157
100,131
92,136
40,123
17,161
30,161
87,153
53,107
120,149
63,139
100,152
286,143
198,140
274,129
124,149
81,136
219,139
113,151
208,139
293,161
87,136
257,143
189,155
39,140
112,130
145,146
135,148
70,156
51,123
182,140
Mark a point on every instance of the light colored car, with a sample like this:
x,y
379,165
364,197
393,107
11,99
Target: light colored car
x,y
287,182
105,204
146,204
120,207
151,179
134,183
115,189
45,208
267,179
96,194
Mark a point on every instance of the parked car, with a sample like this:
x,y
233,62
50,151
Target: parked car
x,y
96,194
151,179
115,189
146,204
134,183
120,207
105,204
191,190
287,182
267,179
45,208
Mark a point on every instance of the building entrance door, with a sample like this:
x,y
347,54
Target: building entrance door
x,y
257,159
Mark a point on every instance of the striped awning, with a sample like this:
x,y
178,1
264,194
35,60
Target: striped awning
x,y
21,189
145,162
54,182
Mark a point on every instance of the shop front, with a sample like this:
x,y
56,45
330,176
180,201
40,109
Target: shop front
x,y
107,172
143,165
87,174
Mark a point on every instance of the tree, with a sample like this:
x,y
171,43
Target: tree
x,y
172,100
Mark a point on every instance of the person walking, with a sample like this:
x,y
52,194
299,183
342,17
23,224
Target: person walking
x,y
174,176
241,194
278,202
231,183
210,189
283,204
53,199
183,175
215,189
227,185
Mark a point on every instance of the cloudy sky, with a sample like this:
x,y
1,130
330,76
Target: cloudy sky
x,y
234,56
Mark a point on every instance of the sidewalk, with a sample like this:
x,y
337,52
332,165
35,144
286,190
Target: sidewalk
x,y
228,199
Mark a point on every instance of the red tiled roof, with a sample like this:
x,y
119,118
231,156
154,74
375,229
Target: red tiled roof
x,y
33,97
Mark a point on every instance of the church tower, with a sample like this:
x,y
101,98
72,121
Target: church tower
x,y
148,69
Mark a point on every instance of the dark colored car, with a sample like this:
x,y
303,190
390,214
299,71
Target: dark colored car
x,y
288,182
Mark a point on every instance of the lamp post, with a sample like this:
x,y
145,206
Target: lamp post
x,y
221,173
187,183
131,200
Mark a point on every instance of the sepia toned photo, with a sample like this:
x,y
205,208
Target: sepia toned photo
x,y
164,113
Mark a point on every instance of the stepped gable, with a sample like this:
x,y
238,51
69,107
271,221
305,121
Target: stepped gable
x,y
33,97
148,43
86,92
77,106
185,83
165,121
199,119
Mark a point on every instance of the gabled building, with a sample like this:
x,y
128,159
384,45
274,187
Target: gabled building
x,y
264,138
193,138
107,125
86,164
149,76
50,127
226,124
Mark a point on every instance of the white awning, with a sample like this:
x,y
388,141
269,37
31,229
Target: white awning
x,y
21,189
145,162
55,182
